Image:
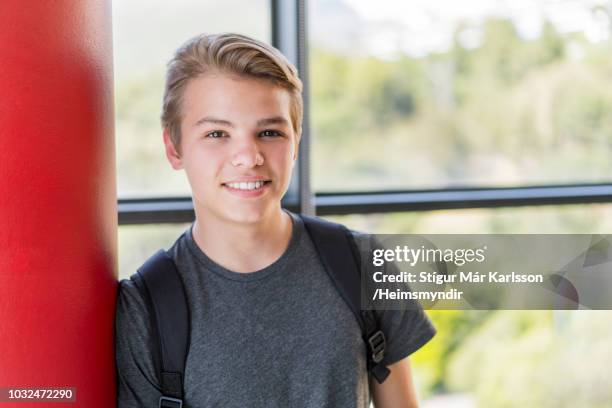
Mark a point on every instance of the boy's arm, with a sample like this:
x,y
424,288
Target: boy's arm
x,y
137,382
397,391
406,330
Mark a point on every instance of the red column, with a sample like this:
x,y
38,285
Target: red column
x,y
57,199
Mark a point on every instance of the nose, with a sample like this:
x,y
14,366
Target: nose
x,y
247,154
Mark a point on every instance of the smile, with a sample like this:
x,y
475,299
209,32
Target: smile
x,y
251,185
250,189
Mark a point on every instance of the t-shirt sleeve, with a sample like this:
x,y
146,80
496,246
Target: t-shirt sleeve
x,y
406,330
137,382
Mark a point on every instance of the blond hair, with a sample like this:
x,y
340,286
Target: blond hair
x,y
229,53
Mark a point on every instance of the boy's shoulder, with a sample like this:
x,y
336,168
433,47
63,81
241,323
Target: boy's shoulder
x,y
355,234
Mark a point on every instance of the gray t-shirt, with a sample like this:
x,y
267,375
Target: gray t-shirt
x,y
278,337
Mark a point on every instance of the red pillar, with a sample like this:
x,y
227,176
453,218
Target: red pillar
x,y
57,199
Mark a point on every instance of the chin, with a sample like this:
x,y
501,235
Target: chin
x,y
245,214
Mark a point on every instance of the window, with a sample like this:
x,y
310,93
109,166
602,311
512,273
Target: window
x,y
438,94
567,219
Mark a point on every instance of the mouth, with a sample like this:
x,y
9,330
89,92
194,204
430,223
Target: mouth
x,y
247,185
247,188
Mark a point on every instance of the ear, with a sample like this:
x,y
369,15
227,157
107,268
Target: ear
x,y
172,154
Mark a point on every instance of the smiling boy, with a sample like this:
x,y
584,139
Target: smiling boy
x,y
267,326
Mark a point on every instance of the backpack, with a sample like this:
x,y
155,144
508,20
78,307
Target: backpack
x,y
162,289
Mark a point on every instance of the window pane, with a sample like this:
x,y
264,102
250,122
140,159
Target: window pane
x,y
513,358
565,219
146,33
138,242
431,94
475,351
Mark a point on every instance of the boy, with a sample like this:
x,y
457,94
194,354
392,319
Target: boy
x,y
268,327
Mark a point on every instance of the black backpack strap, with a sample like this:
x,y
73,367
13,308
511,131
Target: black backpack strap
x,y
338,252
163,290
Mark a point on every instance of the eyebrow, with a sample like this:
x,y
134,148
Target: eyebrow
x,y
276,120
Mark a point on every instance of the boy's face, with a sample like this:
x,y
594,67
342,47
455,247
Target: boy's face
x,y
235,130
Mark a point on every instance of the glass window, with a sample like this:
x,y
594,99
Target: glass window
x,y
138,242
456,368
146,33
563,219
433,94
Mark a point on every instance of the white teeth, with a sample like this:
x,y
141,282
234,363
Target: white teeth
x,y
246,185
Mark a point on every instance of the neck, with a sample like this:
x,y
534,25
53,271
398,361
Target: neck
x,y
242,247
